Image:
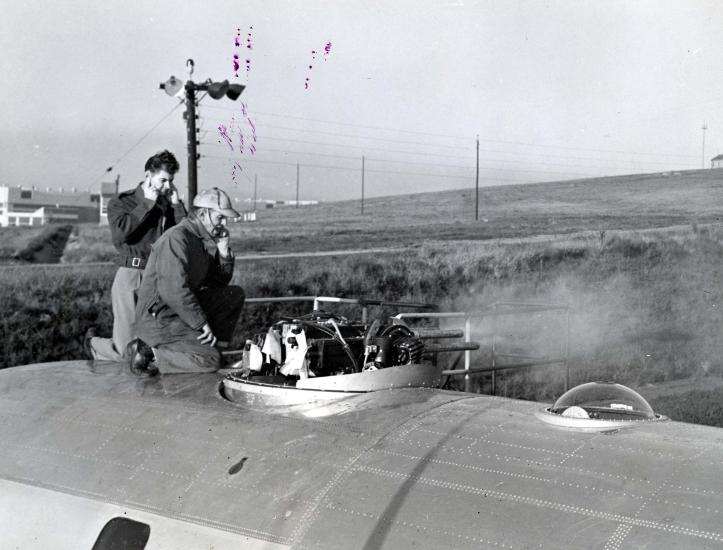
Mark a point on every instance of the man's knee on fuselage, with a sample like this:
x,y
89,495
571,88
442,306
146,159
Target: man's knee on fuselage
x,y
186,357
186,306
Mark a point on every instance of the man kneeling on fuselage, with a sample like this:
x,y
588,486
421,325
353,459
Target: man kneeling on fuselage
x,y
186,309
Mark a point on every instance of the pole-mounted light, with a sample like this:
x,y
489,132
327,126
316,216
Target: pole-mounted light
x,y
172,86
175,87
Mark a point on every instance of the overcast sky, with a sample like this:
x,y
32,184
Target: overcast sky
x,y
555,90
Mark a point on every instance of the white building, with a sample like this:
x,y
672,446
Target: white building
x,y
716,162
108,190
19,206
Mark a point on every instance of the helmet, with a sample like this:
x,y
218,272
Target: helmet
x,y
215,199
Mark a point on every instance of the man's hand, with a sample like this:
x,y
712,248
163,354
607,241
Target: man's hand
x,y
172,193
223,241
149,190
207,336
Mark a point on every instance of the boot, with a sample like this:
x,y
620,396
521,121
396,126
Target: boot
x,y
141,359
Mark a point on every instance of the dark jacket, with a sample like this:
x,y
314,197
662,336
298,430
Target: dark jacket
x,y
183,262
136,222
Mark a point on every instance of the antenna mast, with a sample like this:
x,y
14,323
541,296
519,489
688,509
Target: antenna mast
x,y
704,128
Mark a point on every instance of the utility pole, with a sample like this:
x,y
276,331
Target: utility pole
x,y
173,87
297,185
704,128
191,141
476,186
362,196
256,181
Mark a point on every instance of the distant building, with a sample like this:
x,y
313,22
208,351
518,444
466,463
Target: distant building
x,y
300,203
19,206
108,190
271,203
716,162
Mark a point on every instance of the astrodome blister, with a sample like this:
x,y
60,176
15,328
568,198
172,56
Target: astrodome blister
x,y
599,405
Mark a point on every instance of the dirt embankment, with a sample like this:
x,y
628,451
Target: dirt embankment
x,y
47,247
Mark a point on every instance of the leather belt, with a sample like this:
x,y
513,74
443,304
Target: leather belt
x,y
133,261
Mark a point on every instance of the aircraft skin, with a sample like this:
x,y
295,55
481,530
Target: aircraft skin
x,y
86,442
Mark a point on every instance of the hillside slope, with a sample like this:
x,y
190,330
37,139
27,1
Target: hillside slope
x,y
621,202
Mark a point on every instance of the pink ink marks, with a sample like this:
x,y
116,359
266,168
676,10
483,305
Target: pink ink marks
x,y
250,123
327,51
223,132
253,127
237,43
236,128
252,146
249,45
237,169
240,134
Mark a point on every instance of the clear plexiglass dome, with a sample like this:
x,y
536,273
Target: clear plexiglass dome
x,y
603,401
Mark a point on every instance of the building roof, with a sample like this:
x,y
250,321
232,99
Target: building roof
x,y
719,157
109,188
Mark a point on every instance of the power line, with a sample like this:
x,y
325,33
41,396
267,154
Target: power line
x,y
350,124
279,162
355,169
483,168
528,144
361,147
437,165
416,153
124,155
494,161
266,150
355,136
496,151
242,170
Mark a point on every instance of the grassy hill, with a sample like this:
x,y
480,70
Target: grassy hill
x,y
513,211
621,202
638,258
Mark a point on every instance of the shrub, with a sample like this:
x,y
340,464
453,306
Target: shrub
x,y
645,307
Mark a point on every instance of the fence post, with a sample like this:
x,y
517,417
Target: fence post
x,y
467,330
567,348
494,358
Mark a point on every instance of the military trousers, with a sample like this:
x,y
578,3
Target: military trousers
x,y
181,350
123,295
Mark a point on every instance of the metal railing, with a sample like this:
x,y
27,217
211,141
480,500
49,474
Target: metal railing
x,y
494,312
466,346
364,303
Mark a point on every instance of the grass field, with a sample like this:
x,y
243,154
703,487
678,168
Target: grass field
x,y
645,300
515,211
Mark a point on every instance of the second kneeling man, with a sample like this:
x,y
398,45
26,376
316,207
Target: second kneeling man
x,y
186,308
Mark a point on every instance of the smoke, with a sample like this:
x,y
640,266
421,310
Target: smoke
x,y
640,311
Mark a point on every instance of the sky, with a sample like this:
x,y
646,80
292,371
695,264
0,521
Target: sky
x,y
553,89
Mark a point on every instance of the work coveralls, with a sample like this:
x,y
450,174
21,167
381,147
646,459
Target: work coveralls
x,y
185,286
135,224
